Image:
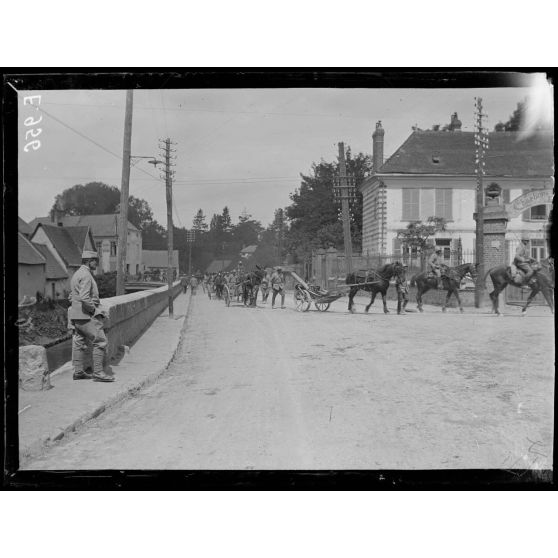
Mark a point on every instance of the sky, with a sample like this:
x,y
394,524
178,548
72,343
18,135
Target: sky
x,y
241,148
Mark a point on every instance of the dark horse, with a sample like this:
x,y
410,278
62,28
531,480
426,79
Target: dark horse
x,y
451,279
374,281
542,280
250,286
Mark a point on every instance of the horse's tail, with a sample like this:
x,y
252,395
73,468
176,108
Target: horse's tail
x,y
487,274
413,280
351,278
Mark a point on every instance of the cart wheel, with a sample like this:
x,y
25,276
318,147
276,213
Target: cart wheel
x,y
227,295
322,306
302,300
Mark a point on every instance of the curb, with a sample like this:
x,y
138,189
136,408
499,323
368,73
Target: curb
x,y
36,448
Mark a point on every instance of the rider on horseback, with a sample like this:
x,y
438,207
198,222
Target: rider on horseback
x,y
435,265
523,259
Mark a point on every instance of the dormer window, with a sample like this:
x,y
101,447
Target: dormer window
x,y
436,157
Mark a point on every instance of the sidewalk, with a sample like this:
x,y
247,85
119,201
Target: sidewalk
x,y
46,416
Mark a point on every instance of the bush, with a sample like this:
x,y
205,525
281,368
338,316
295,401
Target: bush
x,y
107,284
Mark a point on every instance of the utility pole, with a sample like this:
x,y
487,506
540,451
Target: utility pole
x,y
481,145
344,191
190,238
168,158
124,192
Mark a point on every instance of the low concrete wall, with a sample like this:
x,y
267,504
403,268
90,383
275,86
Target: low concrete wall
x,y
130,315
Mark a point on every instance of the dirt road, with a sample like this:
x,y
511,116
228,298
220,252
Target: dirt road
x,y
277,389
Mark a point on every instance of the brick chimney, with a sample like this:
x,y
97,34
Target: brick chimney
x,y
378,146
455,123
57,215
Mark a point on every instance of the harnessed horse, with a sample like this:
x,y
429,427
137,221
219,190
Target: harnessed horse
x,y
374,281
250,286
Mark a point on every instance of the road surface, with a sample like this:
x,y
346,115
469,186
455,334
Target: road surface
x,y
277,389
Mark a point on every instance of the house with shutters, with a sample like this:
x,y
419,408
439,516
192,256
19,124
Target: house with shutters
x,y
432,174
105,232
62,248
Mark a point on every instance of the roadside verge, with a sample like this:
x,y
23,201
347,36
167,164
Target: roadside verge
x,y
45,417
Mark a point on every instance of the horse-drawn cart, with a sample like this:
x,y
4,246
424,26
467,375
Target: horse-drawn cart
x,y
305,295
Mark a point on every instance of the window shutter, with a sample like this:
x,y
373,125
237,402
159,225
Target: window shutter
x,y
411,197
427,203
406,214
444,197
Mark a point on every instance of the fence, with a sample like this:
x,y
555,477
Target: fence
x,y
329,269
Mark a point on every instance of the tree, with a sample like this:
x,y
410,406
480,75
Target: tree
x,y
97,198
416,236
315,217
226,222
199,224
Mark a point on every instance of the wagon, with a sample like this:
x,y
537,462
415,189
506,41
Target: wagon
x,y
305,295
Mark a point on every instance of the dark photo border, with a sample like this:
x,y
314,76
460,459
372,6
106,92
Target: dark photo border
x,y
171,78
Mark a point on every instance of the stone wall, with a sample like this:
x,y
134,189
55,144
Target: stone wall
x,y
131,314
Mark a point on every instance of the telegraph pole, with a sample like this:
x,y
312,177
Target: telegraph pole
x,y
168,158
190,238
344,191
481,145
124,192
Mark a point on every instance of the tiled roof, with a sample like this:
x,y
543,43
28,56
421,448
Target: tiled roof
x,y
53,269
78,234
158,258
27,253
509,154
23,227
64,244
101,225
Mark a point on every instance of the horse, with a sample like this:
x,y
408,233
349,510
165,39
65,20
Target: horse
x,y
376,281
250,286
451,280
542,280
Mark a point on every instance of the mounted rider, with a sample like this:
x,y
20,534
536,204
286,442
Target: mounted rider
x,y
523,259
435,263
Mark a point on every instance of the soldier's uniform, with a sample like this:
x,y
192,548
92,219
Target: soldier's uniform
x,y
435,265
523,259
86,317
278,287
402,287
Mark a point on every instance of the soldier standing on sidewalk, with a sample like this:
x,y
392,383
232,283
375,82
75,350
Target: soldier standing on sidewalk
x,y
86,319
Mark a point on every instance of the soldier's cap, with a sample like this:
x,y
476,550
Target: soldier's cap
x,y
89,255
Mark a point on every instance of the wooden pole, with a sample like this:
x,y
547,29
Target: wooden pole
x,y
168,181
479,230
344,188
124,192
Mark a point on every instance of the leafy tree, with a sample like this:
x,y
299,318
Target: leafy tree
x,y
315,217
97,198
417,234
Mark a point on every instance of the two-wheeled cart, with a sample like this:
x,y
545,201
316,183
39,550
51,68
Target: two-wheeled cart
x,y
305,295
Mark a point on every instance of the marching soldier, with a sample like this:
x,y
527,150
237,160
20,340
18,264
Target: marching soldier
x,y
86,319
278,287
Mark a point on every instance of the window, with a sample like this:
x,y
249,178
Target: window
x,y
538,248
113,248
506,196
99,246
411,204
420,204
539,213
445,244
443,203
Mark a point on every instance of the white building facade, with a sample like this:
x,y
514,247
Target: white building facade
x,y
433,175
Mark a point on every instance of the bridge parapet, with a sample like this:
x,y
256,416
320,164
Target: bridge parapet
x,y
129,315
